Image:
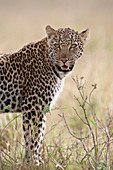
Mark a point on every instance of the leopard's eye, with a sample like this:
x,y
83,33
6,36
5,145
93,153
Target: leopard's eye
x,y
57,45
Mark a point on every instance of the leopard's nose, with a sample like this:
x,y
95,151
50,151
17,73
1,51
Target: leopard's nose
x,y
64,60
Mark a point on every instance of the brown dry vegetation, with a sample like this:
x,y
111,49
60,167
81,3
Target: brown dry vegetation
x,y
24,21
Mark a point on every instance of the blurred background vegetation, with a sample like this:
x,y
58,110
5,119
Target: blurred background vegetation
x,y
24,21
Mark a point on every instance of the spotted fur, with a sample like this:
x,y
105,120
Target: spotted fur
x,y
31,78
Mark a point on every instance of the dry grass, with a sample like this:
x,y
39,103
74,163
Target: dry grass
x,y
23,22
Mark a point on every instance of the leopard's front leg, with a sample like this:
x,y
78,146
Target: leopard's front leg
x,y
34,123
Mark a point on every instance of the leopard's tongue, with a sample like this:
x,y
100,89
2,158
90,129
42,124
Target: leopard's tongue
x,y
64,67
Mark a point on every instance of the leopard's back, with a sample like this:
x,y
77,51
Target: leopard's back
x,y
27,79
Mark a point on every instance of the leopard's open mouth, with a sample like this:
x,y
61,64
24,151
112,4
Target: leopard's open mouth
x,y
65,68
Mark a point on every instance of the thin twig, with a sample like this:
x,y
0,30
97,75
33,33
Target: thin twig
x,y
69,128
79,116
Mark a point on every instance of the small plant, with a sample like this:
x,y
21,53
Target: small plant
x,y
98,142
46,109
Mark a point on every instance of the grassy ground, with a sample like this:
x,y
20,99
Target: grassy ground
x,y
23,22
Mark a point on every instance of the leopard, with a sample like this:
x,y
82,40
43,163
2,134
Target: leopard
x,y
32,77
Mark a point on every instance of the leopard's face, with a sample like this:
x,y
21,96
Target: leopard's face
x,y
65,47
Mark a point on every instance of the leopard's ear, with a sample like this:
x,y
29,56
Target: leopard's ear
x,y
50,31
84,35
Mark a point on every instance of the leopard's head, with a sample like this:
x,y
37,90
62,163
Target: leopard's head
x,y
65,47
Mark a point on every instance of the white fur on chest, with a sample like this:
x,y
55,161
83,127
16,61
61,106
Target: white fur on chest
x,y
60,88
